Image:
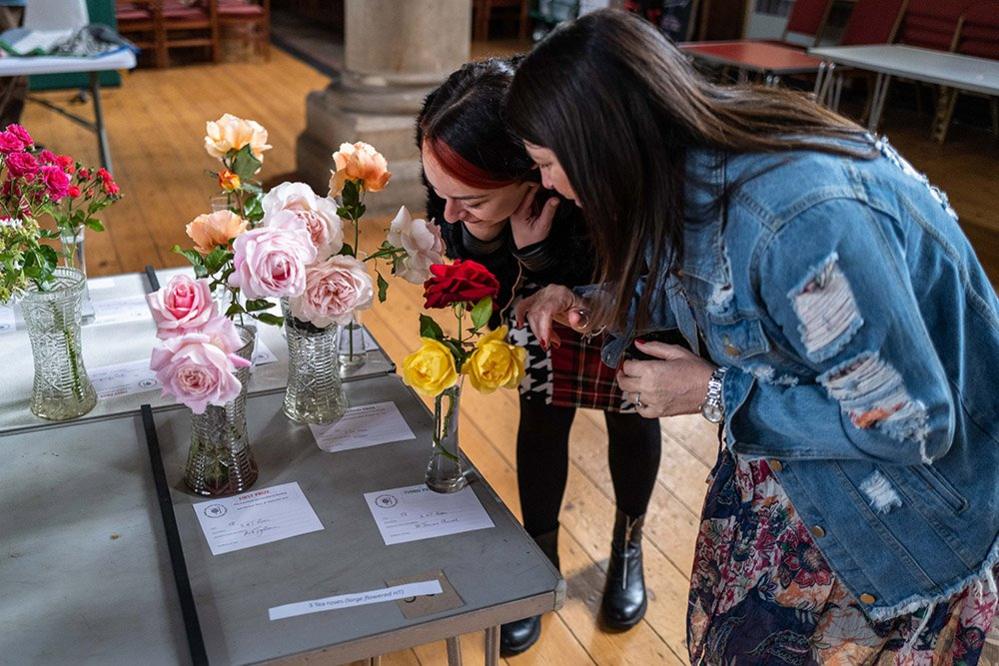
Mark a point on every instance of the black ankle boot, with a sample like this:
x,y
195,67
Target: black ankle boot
x,y
624,601
518,636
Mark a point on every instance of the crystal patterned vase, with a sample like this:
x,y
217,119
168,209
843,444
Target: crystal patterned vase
x,y
61,388
315,389
220,461
352,347
445,473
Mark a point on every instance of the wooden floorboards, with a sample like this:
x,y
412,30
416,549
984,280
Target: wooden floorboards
x,y
156,123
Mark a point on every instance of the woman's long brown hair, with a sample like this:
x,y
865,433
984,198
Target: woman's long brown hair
x,y
620,106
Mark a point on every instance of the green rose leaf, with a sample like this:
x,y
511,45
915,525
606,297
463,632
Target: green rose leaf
x,y
382,288
268,318
430,328
482,311
244,164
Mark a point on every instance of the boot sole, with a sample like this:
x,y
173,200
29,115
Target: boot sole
x,y
612,626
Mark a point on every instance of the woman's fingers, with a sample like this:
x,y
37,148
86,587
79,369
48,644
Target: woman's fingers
x,y
523,211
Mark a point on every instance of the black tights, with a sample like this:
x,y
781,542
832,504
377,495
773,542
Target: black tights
x,y
633,451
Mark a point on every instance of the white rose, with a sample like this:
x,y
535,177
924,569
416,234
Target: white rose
x,y
317,214
422,242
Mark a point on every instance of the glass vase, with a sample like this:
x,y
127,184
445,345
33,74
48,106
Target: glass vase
x,y
315,389
445,473
351,344
61,388
220,461
74,257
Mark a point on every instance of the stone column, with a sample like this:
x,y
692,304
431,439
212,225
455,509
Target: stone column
x,y
396,52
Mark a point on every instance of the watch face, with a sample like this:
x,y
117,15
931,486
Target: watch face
x,y
712,413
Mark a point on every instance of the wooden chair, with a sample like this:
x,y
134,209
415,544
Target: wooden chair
x,y
483,10
191,25
977,35
142,22
251,14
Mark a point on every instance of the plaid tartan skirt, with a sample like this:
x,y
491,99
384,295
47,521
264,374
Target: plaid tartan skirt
x,y
572,375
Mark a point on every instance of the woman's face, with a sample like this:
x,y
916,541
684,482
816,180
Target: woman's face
x,y
552,175
484,212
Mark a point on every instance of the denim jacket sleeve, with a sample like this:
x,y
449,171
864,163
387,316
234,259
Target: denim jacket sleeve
x,y
834,280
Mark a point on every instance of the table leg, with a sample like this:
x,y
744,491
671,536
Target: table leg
x,y
819,91
454,651
838,92
102,137
877,106
492,646
743,76
375,661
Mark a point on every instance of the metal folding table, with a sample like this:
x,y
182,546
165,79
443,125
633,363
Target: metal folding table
x,y
772,61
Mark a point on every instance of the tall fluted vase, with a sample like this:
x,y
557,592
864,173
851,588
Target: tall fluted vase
x,y
61,389
315,388
445,473
220,460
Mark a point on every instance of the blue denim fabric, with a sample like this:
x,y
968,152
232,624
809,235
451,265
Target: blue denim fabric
x,y
861,337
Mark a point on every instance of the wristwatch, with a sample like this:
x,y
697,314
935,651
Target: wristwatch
x,y
712,408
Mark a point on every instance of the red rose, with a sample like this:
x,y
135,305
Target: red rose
x,y
74,191
460,282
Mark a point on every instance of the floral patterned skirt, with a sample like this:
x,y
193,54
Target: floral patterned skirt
x,y
762,593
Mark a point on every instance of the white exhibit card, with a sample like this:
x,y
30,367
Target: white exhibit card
x,y
122,310
118,379
256,517
364,425
416,512
393,593
7,322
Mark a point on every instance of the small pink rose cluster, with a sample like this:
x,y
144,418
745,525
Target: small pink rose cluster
x,y
197,361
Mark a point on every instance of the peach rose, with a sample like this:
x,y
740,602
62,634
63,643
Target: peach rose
x,y
228,180
232,133
359,161
214,229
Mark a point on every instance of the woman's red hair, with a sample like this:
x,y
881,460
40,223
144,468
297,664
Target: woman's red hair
x,y
461,169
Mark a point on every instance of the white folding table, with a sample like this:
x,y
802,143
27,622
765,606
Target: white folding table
x,y
93,66
951,70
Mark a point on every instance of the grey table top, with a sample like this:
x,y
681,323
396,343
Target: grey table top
x,y
84,568
498,572
949,69
112,343
29,65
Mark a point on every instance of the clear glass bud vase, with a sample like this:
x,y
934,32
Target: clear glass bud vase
x,y
220,461
445,473
352,346
74,257
62,389
315,389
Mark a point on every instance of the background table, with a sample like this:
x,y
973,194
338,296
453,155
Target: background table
x,y
27,66
951,70
772,61
108,344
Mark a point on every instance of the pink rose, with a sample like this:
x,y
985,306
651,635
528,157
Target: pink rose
x,y
223,334
10,143
334,290
22,165
422,242
21,134
317,214
196,372
271,262
46,156
56,181
183,305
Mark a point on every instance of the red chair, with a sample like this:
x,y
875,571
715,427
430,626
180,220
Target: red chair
x,y
932,24
807,17
873,22
252,15
141,21
191,25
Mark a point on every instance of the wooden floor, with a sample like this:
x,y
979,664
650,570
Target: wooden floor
x,y
156,123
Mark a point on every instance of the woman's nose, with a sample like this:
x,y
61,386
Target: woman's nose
x,y
546,180
452,211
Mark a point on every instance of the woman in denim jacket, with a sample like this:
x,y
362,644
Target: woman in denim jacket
x,y
845,338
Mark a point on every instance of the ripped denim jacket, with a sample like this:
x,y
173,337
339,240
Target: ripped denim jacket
x,y
862,341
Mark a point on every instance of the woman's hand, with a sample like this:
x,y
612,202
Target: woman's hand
x,y
553,303
675,384
527,227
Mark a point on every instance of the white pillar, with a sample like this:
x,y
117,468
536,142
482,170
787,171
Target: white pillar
x,y
396,52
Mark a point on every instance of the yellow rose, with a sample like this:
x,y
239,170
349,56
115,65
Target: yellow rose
x,y
228,180
430,369
232,133
495,363
212,230
359,161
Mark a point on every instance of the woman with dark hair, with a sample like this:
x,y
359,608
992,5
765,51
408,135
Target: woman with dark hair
x,y
847,338
483,191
